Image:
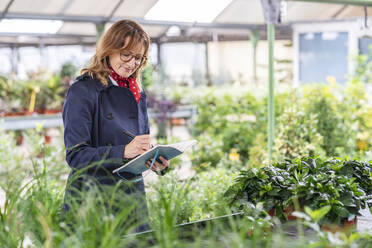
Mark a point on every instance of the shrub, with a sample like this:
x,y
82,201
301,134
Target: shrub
x,y
344,185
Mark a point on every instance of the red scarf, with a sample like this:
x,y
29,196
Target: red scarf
x,y
127,83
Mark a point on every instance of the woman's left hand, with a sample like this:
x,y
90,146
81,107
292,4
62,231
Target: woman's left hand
x,y
157,167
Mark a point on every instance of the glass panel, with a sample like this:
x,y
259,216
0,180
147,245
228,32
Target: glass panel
x,y
184,63
365,46
322,55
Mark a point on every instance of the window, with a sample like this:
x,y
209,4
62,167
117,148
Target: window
x,y
323,54
365,46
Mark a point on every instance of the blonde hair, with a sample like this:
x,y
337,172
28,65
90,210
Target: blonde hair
x,y
114,41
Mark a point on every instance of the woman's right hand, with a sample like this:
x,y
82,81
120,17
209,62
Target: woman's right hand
x,y
137,146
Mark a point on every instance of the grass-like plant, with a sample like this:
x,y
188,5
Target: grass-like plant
x,y
31,212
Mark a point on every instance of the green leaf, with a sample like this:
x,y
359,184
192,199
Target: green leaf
x,y
341,211
301,215
313,226
318,214
354,237
347,199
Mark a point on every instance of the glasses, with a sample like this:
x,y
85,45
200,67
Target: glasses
x,y
126,57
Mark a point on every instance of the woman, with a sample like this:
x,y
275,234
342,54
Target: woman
x,y
101,108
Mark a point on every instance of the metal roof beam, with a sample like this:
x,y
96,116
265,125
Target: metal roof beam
x,y
66,6
114,10
95,19
325,21
350,2
335,15
3,34
73,39
6,9
201,37
45,44
65,18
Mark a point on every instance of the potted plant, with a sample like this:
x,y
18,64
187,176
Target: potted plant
x,y
12,94
344,185
67,73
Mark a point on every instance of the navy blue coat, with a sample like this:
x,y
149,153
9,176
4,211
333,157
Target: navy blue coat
x,y
94,118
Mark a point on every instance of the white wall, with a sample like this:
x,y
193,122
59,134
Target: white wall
x,y
235,59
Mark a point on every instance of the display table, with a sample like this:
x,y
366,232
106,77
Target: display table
x,y
55,120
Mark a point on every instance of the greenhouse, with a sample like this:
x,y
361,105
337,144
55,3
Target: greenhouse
x,y
173,123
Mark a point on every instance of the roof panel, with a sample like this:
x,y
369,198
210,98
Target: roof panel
x,y
37,6
219,31
78,28
239,11
151,30
3,5
131,8
154,31
354,11
91,7
242,11
300,11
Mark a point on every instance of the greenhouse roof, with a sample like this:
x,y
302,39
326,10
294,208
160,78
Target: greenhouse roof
x,y
227,19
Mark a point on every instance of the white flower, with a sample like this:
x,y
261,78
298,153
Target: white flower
x,y
27,242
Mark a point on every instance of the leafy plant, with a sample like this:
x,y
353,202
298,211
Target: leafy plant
x,y
147,75
50,91
297,134
173,197
322,103
12,94
68,71
206,193
31,216
220,124
363,71
163,108
344,185
357,110
42,91
326,120
208,152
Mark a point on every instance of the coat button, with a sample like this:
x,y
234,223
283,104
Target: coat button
x,y
110,116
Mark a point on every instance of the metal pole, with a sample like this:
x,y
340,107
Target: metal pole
x,y
271,100
159,56
14,58
254,36
271,10
100,28
207,71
